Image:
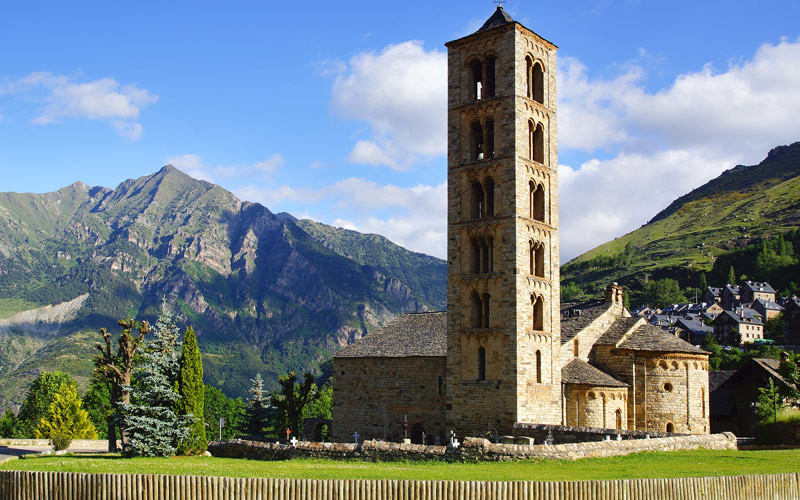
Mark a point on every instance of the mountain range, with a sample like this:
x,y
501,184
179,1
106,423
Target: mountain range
x,y
719,224
265,292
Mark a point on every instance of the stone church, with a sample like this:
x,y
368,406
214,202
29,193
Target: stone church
x,y
504,352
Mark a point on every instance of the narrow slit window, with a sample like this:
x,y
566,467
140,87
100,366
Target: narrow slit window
x,y
481,363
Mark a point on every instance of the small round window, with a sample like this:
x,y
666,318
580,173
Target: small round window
x,y
667,387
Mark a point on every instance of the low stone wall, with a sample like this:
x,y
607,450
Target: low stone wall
x,y
473,449
25,485
76,443
570,434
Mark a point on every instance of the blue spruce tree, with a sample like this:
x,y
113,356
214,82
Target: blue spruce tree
x,y
153,426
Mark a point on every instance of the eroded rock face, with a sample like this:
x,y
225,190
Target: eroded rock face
x,y
237,273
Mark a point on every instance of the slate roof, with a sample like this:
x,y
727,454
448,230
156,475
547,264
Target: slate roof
x,y
693,325
409,335
617,330
769,305
718,377
732,289
577,317
762,287
578,371
653,338
749,318
499,18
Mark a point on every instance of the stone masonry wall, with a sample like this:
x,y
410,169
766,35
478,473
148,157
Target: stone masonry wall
x,y
665,388
473,449
588,406
373,396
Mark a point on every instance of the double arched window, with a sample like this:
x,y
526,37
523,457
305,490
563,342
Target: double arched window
x,y
482,196
482,250
536,201
481,139
534,80
535,142
482,78
480,310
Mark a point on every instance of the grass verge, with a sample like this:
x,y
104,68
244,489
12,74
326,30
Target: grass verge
x,y
643,465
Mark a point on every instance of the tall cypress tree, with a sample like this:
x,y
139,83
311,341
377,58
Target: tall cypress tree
x,y
731,276
192,391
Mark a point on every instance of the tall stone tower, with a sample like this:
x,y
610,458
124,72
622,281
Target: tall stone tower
x,y
503,323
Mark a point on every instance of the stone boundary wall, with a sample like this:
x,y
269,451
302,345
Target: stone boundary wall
x,y
26,485
473,449
570,434
76,443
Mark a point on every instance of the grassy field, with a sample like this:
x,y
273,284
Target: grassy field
x,y
642,465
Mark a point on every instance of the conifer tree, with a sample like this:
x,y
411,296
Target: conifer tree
x,y
65,420
153,426
37,401
257,406
192,393
731,276
703,282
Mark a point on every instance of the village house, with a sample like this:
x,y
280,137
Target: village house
x,y
753,290
767,309
791,321
743,321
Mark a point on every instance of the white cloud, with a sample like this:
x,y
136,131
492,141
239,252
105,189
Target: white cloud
x,y
194,165
660,145
401,92
104,99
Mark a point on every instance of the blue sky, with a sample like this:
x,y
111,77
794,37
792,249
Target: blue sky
x,y
336,110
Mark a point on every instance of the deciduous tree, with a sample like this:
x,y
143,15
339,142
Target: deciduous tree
x,y
116,369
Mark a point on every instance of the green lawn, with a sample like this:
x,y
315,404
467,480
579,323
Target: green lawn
x,y
642,465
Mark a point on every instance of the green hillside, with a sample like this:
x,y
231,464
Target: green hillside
x,y
264,293
723,222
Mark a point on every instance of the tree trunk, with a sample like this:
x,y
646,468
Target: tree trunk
x,y
112,435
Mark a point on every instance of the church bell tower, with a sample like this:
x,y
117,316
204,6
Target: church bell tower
x,y
503,322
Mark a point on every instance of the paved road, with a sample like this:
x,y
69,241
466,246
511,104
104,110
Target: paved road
x,y
7,452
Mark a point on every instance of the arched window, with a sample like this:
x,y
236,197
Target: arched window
x,y
670,428
538,143
537,202
489,268
481,363
532,255
537,92
490,77
478,207
489,190
531,129
476,256
486,310
484,264
618,415
539,367
575,348
489,144
539,261
476,72
477,311
529,77
476,152
537,307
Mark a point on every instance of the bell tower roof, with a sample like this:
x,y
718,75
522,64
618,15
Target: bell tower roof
x,y
499,18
